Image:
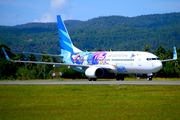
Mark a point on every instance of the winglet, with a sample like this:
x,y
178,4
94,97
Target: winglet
x,y
174,53
7,57
174,56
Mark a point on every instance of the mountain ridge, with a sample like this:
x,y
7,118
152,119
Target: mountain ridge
x,y
103,33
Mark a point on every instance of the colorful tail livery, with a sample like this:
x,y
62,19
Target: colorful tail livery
x,y
103,64
65,41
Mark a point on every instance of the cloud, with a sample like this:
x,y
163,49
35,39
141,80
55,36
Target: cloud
x,y
47,17
36,20
57,7
57,4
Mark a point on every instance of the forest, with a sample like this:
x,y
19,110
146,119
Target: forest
x,y
108,32
157,32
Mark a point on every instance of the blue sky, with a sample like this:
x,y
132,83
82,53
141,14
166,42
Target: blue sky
x,y
14,12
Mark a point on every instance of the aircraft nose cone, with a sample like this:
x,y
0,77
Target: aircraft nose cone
x,y
157,65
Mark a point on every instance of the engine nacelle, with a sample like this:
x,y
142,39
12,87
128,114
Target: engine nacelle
x,y
94,72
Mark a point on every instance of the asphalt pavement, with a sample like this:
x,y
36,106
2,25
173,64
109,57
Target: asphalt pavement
x,y
74,82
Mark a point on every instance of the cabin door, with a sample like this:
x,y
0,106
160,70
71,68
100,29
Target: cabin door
x,y
139,61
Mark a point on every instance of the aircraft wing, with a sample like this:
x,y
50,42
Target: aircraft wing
x,y
105,67
48,63
174,56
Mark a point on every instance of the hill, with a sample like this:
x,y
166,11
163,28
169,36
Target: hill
x,y
144,21
108,32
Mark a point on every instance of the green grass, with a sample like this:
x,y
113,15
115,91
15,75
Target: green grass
x,y
89,102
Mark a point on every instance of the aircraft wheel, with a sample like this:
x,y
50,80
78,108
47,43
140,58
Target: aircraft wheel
x,y
90,79
117,78
122,78
149,78
94,79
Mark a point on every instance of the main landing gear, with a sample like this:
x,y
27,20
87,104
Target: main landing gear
x,y
92,79
119,77
149,78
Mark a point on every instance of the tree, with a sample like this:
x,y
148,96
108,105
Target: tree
x,y
99,50
147,48
7,68
110,49
19,57
26,74
161,53
31,65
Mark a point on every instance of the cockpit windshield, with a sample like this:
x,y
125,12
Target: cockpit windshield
x,y
148,59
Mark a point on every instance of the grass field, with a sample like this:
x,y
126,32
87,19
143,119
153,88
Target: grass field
x,y
89,102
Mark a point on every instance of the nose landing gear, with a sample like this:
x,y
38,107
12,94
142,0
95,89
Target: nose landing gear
x,y
149,78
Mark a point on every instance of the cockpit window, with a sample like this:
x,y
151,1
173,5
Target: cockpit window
x,y
148,59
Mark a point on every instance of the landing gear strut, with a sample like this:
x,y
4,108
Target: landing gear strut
x,y
149,78
119,77
92,79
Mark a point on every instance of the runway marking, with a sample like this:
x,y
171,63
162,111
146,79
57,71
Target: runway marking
x,y
90,82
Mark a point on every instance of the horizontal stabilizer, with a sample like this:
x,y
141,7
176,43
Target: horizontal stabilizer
x,y
43,54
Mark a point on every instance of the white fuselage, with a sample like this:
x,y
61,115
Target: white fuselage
x,y
141,63
124,62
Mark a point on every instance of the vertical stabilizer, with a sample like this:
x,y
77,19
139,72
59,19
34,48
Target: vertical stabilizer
x,y
65,41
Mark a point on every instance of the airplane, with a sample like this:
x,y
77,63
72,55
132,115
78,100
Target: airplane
x,y
103,63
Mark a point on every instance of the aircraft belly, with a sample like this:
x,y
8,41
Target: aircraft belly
x,y
124,67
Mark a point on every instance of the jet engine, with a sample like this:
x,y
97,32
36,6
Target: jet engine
x,y
94,72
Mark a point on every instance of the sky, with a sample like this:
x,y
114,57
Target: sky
x,y
16,12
